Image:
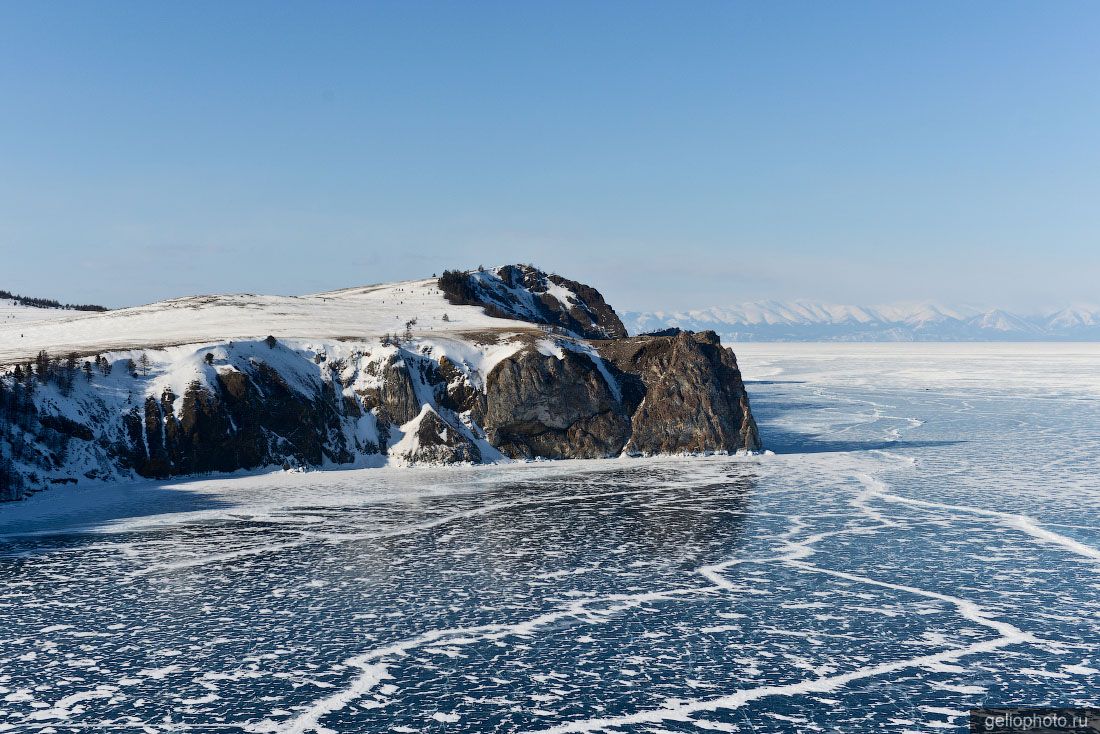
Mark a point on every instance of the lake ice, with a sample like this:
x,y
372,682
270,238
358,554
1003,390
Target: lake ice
x,y
925,539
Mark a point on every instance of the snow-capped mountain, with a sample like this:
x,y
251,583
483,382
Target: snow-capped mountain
x,y
810,321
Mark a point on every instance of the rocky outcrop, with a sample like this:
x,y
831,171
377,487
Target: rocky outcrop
x,y
540,405
435,441
395,398
577,388
650,395
684,394
526,293
246,419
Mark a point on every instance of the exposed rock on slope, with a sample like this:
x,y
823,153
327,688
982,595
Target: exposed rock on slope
x,y
571,387
241,419
528,294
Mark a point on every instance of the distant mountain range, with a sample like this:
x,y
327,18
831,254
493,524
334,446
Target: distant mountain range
x,y
809,321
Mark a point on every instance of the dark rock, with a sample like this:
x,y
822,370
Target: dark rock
x,y
67,427
540,406
157,464
439,442
130,449
457,393
523,292
398,400
249,419
692,398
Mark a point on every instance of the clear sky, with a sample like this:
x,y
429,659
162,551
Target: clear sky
x,y
672,154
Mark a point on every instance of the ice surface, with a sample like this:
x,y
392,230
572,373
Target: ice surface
x,y
922,541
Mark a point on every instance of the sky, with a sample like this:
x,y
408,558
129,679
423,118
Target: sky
x,y
672,154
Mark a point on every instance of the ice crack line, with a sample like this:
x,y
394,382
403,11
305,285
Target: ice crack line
x,y
1023,523
1007,633
374,670
825,684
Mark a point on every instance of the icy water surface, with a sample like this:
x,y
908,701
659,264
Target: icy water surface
x,y
925,540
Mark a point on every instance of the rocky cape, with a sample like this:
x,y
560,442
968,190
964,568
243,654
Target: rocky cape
x,y
473,366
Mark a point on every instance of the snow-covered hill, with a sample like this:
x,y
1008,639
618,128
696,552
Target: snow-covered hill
x,y
809,321
15,312
363,313
474,366
15,308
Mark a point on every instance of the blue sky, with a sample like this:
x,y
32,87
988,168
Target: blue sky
x,y
672,154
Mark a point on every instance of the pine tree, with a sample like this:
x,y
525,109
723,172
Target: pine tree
x,y
143,361
67,375
42,366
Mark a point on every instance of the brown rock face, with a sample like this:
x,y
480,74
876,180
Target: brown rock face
x,y
676,394
684,394
589,315
399,401
538,405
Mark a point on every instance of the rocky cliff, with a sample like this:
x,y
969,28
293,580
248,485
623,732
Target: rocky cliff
x,y
527,293
510,363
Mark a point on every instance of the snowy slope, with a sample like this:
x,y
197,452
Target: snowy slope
x,y
337,342
12,312
357,314
922,321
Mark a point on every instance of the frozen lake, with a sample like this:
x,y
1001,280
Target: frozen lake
x,y
924,540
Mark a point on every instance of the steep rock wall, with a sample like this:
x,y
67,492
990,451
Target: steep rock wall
x,y
684,393
246,405
558,407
